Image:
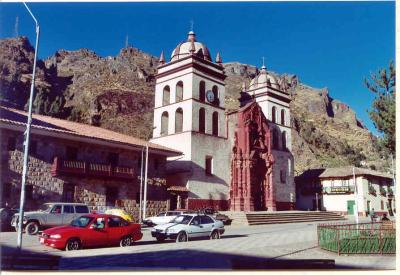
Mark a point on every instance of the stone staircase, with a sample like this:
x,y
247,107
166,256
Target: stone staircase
x,y
265,217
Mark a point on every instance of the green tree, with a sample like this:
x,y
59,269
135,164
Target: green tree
x,y
383,113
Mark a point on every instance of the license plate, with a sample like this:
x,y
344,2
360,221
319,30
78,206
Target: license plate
x,y
41,240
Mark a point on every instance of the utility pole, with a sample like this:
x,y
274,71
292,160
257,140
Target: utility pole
x,y
145,182
356,195
27,137
141,187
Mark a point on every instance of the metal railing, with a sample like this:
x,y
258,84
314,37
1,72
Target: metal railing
x,y
363,238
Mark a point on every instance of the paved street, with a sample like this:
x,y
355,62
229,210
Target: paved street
x,y
241,247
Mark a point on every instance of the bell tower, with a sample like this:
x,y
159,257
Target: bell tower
x,y
189,116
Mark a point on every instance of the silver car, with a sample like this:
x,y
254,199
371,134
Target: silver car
x,y
188,226
50,215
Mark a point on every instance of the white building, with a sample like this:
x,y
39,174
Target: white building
x,y
189,116
335,190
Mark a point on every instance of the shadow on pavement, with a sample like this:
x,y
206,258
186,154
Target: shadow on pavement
x,y
188,259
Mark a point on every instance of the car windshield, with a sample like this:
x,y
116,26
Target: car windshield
x,y
182,219
45,207
162,214
81,221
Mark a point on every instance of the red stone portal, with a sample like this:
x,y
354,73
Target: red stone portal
x,y
251,166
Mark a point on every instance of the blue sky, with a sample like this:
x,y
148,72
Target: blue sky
x,y
327,44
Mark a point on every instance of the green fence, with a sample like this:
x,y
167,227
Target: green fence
x,y
363,238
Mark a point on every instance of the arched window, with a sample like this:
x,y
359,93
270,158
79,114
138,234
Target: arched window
x,y
164,124
215,123
179,91
275,139
202,91
166,95
215,92
283,117
284,140
202,120
178,120
273,114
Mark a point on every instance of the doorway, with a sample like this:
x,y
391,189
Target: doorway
x,y
350,207
111,196
173,202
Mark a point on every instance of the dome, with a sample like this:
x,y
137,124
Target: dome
x,y
264,79
185,49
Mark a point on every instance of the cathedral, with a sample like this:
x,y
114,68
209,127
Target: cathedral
x,y
238,161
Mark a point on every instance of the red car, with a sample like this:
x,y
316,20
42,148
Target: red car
x,y
92,230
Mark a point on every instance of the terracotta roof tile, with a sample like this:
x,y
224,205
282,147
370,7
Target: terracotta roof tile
x,y
17,117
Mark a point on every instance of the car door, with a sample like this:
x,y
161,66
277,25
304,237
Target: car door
x,y
54,218
115,230
207,225
96,233
68,214
195,228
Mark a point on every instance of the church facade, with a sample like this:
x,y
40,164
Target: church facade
x,y
239,161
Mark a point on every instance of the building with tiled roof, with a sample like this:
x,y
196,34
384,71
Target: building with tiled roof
x,y
75,162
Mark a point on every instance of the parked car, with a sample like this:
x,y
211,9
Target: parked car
x,y
6,215
92,230
50,215
188,226
216,215
162,218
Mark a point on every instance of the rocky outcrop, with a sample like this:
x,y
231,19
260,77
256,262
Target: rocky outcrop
x,y
117,93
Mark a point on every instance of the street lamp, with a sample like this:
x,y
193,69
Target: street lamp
x,y
27,136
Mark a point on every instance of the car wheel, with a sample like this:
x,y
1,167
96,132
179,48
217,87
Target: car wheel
x,y
182,237
214,235
32,228
73,244
160,239
125,241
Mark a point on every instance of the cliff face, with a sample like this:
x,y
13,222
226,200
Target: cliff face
x,y
117,93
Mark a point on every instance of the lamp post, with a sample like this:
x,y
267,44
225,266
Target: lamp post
x,y
27,137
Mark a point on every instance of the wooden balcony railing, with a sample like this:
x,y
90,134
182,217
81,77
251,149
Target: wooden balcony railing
x,y
82,168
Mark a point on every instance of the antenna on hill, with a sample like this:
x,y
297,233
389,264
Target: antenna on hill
x,y
126,41
16,27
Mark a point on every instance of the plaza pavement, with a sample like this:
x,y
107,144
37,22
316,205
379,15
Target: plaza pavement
x,y
279,246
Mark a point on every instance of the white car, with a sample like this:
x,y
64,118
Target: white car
x,y
162,218
188,226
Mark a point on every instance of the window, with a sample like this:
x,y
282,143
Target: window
x,y
202,120
178,120
275,139
12,144
33,147
113,159
56,209
72,153
28,192
215,124
273,114
196,220
215,92
68,209
114,222
164,124
81,209
111,196
382,205
283,117
283,176
209,165
202,91
166,95
284,140
179,91
206,220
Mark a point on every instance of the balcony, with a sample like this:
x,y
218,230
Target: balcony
x,y
81,168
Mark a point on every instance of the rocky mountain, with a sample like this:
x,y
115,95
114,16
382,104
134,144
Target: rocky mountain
x,y
117,93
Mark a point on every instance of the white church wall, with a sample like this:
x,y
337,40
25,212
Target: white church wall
x,y
285,191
